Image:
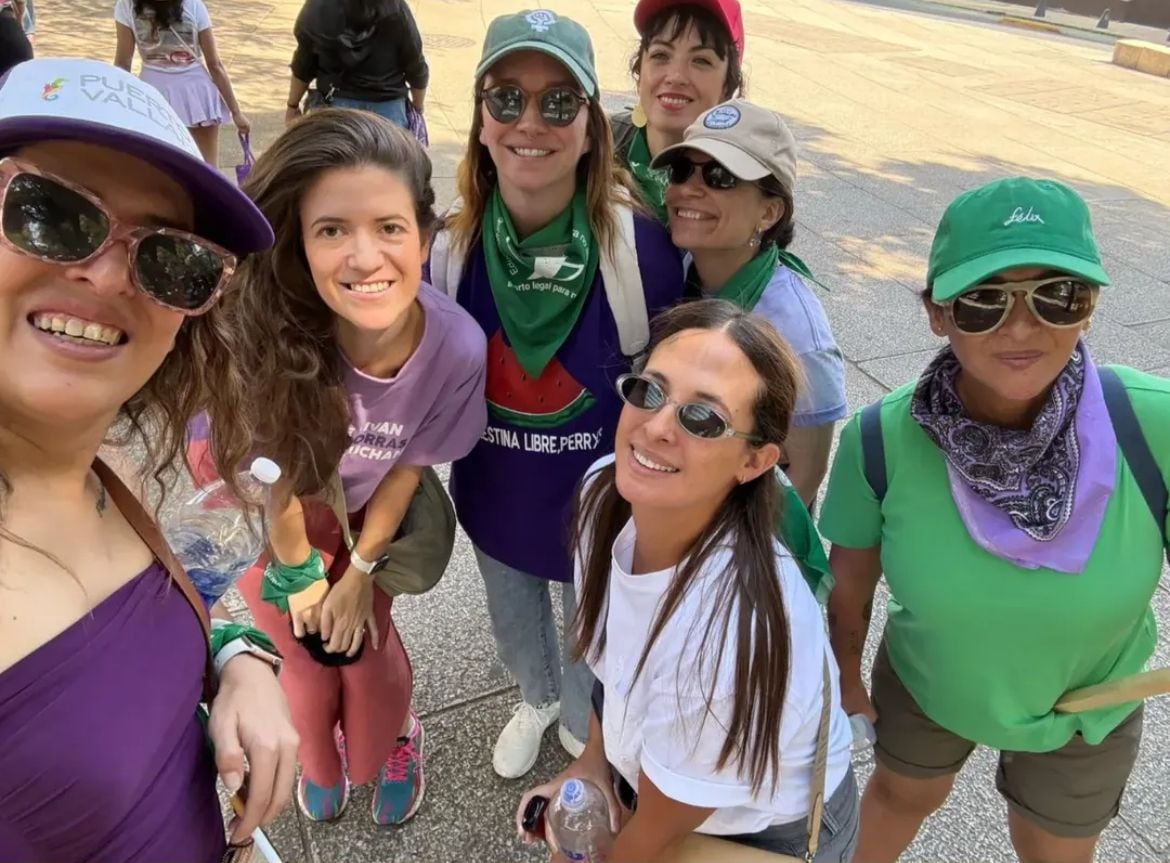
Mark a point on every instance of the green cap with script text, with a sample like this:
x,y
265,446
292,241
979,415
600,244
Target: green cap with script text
x,y
1010,223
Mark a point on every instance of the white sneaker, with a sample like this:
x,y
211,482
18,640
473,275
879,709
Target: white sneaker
x,y
570,743
519,744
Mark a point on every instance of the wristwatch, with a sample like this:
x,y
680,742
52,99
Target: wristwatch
x,y
243,644
362,565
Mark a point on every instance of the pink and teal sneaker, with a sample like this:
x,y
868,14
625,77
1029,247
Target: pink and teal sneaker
x,y
322,803
399,790
325,803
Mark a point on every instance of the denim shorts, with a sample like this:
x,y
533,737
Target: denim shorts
x,y
393,110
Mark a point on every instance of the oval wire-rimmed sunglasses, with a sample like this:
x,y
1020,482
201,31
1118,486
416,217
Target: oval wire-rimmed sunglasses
x,y
1061,302
557,106
53,220
695,418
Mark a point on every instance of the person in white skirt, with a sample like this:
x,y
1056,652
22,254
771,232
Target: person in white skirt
x,y
175,40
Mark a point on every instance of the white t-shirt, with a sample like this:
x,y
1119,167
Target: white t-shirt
x,y
172,49
656,723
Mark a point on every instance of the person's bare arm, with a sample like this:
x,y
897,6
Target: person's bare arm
x,y
223,82
296,92
124,53
856,571
807,449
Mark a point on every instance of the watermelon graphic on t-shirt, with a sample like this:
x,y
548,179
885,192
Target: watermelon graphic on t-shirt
x,y
515,397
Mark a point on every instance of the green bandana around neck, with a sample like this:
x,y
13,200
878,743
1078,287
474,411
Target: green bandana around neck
x,y
652,182
746,285
540,283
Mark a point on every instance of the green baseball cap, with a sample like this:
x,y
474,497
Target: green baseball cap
x,y
1015,222
541,30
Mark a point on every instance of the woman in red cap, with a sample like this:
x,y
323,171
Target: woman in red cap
x,y
687,62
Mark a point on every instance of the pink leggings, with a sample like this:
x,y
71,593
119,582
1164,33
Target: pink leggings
x,y
369,698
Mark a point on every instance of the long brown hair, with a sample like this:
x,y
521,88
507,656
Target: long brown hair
x,y
296,404
747,604
607,184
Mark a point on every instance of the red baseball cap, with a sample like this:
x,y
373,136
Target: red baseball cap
x,y
727,11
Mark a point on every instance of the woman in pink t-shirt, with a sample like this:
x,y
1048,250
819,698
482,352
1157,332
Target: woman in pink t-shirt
x,y
354,366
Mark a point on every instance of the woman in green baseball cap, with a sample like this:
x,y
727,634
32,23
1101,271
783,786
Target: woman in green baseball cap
x,y
561,270
1007,497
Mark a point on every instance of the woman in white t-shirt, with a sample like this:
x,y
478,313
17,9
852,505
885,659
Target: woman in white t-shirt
x,y
174,40
710,652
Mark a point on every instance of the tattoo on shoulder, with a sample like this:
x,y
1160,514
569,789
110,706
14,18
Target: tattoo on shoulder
x,y
100,506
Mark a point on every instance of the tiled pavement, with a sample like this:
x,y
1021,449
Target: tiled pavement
x,y
896,113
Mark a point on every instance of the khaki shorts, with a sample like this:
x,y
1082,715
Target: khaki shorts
x,y
1073,792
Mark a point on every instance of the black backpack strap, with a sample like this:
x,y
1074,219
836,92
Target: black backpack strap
x,y
873,449
1134,446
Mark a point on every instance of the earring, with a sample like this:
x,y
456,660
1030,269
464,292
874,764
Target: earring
x,y
1088,324
638,116
754,242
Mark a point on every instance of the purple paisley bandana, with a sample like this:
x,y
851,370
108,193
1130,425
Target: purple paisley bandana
x,y
1030,475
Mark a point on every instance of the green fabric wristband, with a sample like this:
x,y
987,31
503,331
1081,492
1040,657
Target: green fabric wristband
x,y
282,581
224,634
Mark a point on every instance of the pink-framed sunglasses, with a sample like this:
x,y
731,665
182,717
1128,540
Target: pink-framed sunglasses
x,y
53,220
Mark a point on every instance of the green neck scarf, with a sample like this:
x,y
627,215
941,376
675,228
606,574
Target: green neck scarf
x,y
540,284
651,181
746,285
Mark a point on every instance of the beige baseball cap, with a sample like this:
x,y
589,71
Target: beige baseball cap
x,y
750,141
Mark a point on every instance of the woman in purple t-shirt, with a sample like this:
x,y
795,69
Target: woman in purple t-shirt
x,y
354,365
107,320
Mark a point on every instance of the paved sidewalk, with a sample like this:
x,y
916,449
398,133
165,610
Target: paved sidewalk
x,y
1080,26
896,113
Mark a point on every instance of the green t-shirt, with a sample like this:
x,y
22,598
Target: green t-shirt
x,y
986,647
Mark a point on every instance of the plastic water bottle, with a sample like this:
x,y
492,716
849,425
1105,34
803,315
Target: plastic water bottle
x,y
212,536
864,735
578,819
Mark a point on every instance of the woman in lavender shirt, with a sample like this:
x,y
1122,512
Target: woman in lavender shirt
x,y
355,366
102,659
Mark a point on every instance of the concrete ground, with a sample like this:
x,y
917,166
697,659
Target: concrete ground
x,y
896,113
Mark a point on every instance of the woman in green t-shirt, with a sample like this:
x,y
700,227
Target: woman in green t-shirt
x,y
1001,494
687,62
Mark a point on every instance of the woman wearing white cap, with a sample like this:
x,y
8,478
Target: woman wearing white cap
x,y
116,240
730,203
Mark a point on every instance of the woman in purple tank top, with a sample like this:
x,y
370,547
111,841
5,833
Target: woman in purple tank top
x,y
116,239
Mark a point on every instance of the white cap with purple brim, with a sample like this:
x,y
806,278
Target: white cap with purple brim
x,y
56,99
